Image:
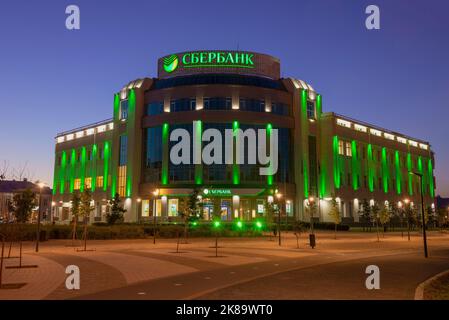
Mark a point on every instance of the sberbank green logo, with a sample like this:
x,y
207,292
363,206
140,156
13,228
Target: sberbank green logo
x,y
171,63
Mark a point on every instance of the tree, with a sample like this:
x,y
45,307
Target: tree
x,y
365,213
375,215
22,205
335,215
192,211
76,200
311,210
384,218
270,211
85,210
395,213
410,217
116,211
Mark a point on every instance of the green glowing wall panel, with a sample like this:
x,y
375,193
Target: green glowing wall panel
x,y
354,166
385,170
270,176
93,168
305,169
106,159
397,168
165,154
319,109
83,169
62,172
116,106
410,177
420,170
130,122
430,175
72,170
371,168
336,156
235,166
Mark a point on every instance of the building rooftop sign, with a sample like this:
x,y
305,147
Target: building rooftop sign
x,y
218,61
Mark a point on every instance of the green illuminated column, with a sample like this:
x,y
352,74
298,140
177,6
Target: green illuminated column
x,y
354,165
385,171
106,158
235,166
129,127
269,128
72,169
397,168
199,167
370,168
430,175
410,176
420,170
322,151
318,105
116,106
165,154
94,167
83,168
62,172
304,132
336,159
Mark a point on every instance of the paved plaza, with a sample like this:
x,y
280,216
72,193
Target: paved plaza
x,y
246,268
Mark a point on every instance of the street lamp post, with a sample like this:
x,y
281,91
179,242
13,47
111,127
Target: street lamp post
x,y
38,230
155,193
422,213
278,197
312,234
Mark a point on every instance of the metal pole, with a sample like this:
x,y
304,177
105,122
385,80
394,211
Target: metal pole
x,y
423,219
279,222
1,260
38,221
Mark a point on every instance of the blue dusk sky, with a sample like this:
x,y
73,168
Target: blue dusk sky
x,y
53,79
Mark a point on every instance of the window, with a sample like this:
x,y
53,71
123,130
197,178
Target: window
x,y
252,105
311,110
123,109
348,149
89,155
88,183
77,184
123,156
154,108
145,208
178,105
101,153
217,103
172,207
100,181
341,147
122,180
279,108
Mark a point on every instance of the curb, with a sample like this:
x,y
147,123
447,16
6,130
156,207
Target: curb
x,y
419,292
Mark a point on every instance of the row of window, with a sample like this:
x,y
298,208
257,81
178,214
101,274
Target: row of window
x,y
89,156
88,183
345,149
216,103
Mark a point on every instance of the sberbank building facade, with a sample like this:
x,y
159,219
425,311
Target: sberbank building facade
x,y
223,124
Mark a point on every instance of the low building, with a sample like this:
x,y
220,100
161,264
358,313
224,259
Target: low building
x,y
9,188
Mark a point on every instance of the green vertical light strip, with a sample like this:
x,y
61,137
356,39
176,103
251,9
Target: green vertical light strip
x,y
83,169
370,168
129,164
304,158
93,168
164,173
269,129
235,166
430,174
72,170
354,165
397,168
420,170
336,159
106,158
116,106
62,172
410,176
319,109
385,173
199,167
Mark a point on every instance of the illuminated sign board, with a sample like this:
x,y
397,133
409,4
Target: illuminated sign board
x,y
217,192
218,61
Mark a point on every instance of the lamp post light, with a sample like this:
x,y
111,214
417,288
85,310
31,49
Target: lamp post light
x,y
38,230
278,198
422,212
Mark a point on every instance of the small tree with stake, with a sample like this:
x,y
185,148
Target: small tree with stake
x,y
270,211
76,200
375,216
116,213
335,215
85,210
384,218
365,213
